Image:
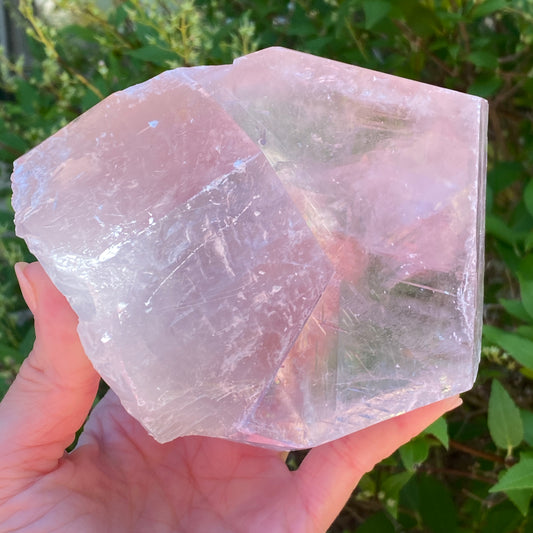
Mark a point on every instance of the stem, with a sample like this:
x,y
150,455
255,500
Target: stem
x,y
86,82
477,453
27,12
460,473
357,41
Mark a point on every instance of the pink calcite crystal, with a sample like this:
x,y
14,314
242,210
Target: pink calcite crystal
x,y
279,251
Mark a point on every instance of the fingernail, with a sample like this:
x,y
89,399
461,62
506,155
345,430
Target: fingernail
x,y
26,286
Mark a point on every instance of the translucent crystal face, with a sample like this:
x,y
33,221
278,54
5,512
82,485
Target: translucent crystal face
x,y
280,251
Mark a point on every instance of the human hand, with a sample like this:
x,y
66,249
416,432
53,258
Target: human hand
x,y
118,479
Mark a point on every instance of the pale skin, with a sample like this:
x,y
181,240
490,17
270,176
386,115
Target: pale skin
x,y
118,479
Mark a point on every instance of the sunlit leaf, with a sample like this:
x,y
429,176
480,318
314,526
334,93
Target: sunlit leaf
x,y
519,476
439,429
392,487
515,308
487,7
521,498
414,453
519,347
153,53
504,420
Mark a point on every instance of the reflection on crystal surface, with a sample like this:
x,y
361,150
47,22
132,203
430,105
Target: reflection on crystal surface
x,y
279,251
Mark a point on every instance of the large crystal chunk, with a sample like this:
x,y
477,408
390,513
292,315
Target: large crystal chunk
x,y
279,251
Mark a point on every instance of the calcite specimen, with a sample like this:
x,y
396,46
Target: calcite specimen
x,y
279,251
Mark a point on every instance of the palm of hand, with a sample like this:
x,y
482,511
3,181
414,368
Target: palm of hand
x,y
118,479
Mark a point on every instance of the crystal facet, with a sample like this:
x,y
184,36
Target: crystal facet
x,y
280,251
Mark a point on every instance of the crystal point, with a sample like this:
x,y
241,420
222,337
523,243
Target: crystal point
x,y
280,251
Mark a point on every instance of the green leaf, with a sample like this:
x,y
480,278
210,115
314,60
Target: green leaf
x,y
489,199
508,255
485,86
519,476
515,308
439,429
528,196
377,523
4,386
394,483
26,344
487,7
528,242
521,498
453,50
375,10
27,95
392,487
414,453
504,420
422,20
13,141
301,24
155,54
500,519
527,422
498,228
483,59
7,350
504,174
525,331
146,32
436,506
521,349
525,277
81,32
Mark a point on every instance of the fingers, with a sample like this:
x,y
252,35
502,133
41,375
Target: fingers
x,y
55,387
330,472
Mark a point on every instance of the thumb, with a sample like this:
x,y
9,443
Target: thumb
x,y
331,471
55,388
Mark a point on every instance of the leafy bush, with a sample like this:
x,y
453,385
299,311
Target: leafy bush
x,y
471,472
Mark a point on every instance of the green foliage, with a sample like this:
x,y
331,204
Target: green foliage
x,y
414,453
431,505
482,47
504,419
378,523
519,476
89,54
516,345
525,280
439,429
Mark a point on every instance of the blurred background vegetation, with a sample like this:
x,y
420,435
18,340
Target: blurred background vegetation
x,y
472,472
